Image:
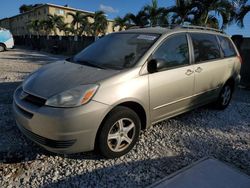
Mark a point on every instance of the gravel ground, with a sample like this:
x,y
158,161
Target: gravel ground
x,y
162,149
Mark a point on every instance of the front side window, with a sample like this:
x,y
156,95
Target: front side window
x,y
116,51
205,47
173,52
227,47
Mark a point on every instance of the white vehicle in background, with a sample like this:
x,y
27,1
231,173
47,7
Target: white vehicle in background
x,y
6,40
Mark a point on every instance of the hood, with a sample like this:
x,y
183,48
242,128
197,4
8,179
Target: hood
x,y
60,76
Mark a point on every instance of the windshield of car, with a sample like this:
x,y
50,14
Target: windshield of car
x,y
116,51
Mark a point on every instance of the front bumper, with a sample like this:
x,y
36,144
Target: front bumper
x,y
60,130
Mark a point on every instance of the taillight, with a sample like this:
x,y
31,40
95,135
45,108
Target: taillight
x,y
240,59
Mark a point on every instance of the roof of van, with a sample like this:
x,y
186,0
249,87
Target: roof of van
x,y
163,30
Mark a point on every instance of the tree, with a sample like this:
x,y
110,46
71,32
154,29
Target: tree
x,y
100,23
35,27
140,19
77,20
64,27
243,11
121,23
26,8
85,26
47,26
181,11
212,21
55,20
208,9
164,18
154,13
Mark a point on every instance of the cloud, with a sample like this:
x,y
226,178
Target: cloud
x,y
108,9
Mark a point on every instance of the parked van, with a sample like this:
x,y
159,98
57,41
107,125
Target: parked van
x,y
123,83
6,40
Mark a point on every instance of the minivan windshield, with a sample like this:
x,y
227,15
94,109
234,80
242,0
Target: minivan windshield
x,y
116,51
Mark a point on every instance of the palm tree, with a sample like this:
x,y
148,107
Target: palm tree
x,y
215,8
100,23
63,27
164,18
84,26
77,19
34,26
121,23
212,21
140,19
47,26
72,30
153,12
54,21
181,11
244,10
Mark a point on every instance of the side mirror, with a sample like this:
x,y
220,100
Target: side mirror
x,y
154,65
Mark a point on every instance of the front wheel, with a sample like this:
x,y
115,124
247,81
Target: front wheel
x,y
224,97
119,133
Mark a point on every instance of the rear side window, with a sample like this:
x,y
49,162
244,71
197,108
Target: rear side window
x,y
227,47
205,46
174,51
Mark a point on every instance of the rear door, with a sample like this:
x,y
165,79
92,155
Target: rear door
x,y
209,67
230,56
171,87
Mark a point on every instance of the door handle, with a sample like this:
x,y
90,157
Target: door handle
x,y
189,72
198,70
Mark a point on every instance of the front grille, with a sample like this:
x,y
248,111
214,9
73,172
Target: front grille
x,y
38,101
59,144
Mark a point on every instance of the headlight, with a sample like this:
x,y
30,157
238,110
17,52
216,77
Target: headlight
x,y
73,97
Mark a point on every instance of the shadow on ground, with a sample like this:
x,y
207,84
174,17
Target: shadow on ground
x,y
137,172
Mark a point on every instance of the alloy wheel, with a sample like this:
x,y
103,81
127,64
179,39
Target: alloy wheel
x,y
121,135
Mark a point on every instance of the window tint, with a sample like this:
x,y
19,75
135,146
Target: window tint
x,y
205,47
174,51
227,47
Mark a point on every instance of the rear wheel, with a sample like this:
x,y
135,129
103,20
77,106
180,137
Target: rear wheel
x,y
2,48
119,133
224,97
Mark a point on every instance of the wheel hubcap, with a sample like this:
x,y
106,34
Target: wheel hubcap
x,y
1,49
226,95
121,134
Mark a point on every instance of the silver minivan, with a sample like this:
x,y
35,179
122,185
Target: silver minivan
x,y
123,83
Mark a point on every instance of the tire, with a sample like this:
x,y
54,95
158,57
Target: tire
x,y
2,48
224,97
119,132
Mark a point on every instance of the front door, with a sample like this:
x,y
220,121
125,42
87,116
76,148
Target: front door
x,y
173,85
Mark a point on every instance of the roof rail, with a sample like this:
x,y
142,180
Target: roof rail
x,y
137,27
175,26
201,28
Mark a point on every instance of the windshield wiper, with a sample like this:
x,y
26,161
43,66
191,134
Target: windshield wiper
x,y
83,62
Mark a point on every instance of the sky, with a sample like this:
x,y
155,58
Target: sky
x,y
113,8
